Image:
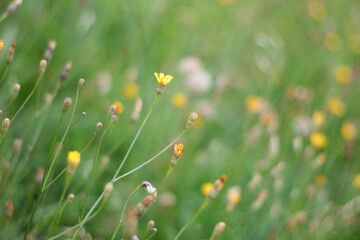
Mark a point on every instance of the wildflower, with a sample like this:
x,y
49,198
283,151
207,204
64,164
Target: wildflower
x,y
67,104
218,229
130,90
233,198
178,151
10,56
192,119
342,74
320,180
316,10
162,81
318,118
178,100
354,42
73,159
318,140
255,104
205,188
119,108
216,187
1,45
356,181
348,131
137,110
336,107
332,42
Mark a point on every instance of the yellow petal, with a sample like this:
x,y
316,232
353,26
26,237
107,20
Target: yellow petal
x,y
157,77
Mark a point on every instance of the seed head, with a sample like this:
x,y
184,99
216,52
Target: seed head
x,y
99,125
112,109
16,90
5,125
10,56
149,188
150,225
42,65
192,118
218,229
50,50
81,82
108,189
39,175
67,104
70,198
154,230
143,205
65,71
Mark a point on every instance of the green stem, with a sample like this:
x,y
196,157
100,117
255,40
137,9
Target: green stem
x,y
87,145
202,207
5,177
59,175
3,75
9,104
123,212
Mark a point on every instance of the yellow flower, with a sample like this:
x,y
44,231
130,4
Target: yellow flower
x,y
316,10
205,188
333,42
73,159
354,42
178,100
348,131
255,104
342,74
130,90
320,180
178,150
1,45
318,140
119,107
356,181
318,118
336,107
162,79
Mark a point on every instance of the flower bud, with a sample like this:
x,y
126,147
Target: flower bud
x,y
99,125
112,109
154,230
81,82
50,50
10,56
66,71
42,66
108,189
73,160
16,90
192,119
70,198
216,188
67,104
17,144
143,205
5,125
218,229
137,110
178,151
150,225
39,175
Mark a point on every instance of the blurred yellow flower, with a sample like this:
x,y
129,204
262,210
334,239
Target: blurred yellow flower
x,y
119,108
227,2
234,197
336,107
316,10
255,104
205,188
178,100
318,118
356,181
1,45
73,159
130,90
318,140
333,42
348,131
162,79
320,180
354,43
342,74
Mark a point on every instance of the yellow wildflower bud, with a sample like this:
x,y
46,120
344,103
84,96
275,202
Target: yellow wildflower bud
x,y
356,181
130,90
316,10
318,118
348,131
255,104
318,140
178,100
205,188
333,42
119,108
73,159
336,107
342,74
178,151
1,45
162,81
320,180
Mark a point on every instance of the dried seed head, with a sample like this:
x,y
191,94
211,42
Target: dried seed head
x,y
149,188
178,151
150,225
42,66
17,144
71,198
65,72
81,82
16,90
39,175
108,189
192,118
10,56
5,125
216,188
9,209
218,229
99,125
50,50
67,104
137,110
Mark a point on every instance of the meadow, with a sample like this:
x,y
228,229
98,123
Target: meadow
x,y
179,119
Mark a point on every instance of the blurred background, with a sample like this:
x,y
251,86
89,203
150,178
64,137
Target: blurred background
x,y
275,84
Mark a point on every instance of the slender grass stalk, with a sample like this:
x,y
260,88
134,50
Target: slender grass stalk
x,y
123,212
9,104
152,234
88,144
202,207
59,175
6,69
5,177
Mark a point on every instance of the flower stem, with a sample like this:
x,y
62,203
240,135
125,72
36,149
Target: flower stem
x,y
3,75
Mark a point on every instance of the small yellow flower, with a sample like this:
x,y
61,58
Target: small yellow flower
x,y
119,107
354,42
342,74
318,118
162,79
178,100
333,42
130,90
178,150
1,45
316,10
336,107
73,159
356,181
205,188
255,104
318,140
320,180
348,131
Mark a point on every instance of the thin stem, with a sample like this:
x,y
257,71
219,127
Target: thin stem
x,y
87,145
202,207
94,166
171,168
5,176
150,236
82,115
123,211
3,75
61,173
9,104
